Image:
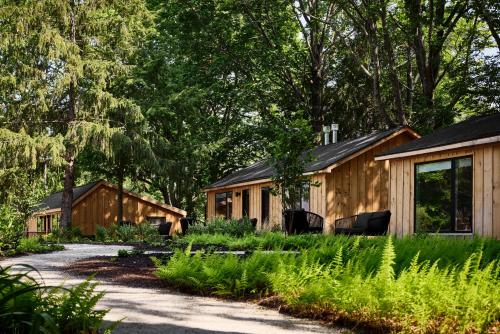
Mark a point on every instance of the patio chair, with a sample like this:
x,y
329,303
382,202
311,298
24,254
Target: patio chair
x,y
301,221
185,223
367,223
164,228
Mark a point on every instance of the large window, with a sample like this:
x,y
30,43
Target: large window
x,y
443,196
47,223
224,204
245,205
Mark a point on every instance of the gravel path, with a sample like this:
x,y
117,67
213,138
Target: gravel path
x,y
162,311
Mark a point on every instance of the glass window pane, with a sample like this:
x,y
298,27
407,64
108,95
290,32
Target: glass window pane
x,y
220,205
229,199
463,186
246,203
305,197
433,197
265,206
224,204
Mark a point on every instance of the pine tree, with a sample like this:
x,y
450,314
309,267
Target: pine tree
x,y
63,67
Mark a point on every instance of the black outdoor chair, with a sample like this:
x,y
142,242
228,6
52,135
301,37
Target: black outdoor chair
x,y
301,221
368,223
164,228
186,222
253,221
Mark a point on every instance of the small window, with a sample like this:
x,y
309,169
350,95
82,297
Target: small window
x,y
443,196
224,204
156,220
265,199
245,205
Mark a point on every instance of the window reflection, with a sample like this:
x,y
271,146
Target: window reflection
x,y
443,196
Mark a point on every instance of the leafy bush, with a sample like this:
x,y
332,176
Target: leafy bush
x,y
35,245
148,233
26,306
125,233
144,232
412,284
101,234
11,229
231,227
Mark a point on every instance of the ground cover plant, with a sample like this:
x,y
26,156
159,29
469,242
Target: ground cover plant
x,y
420,284
27,306
141,233
145,233
222,226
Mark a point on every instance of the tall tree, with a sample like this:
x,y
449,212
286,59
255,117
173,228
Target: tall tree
x,y
67,55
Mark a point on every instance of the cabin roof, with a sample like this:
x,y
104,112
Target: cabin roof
x,y
53,201
471,131
323,157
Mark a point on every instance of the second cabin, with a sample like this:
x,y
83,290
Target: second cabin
x,y
350,182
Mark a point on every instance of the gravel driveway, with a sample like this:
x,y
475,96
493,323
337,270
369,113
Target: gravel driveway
x,y
163,311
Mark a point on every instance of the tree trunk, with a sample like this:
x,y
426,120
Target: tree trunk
x,y
396,87
69,170
409,79
119,214
376,71
414,10
67,195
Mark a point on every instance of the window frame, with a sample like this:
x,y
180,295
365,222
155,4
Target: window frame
x,y
453,195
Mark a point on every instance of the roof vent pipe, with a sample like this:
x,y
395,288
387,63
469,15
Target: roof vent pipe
x,y
335,129
326,134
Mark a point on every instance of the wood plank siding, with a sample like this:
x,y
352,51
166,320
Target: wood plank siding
x,y
486,188
359,184
100,207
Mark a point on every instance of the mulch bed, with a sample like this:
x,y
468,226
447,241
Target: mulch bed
x,y
135,271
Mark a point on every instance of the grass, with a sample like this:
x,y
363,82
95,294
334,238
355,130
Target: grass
x,y
418,284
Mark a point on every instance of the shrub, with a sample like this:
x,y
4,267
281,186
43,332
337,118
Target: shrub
x,y
11,229
148,233
36,245
125,233
231,227
27,306
409,285
101,234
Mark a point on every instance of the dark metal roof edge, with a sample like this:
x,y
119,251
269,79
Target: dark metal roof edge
x,y
389,132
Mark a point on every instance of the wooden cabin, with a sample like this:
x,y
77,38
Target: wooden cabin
x,y
448,182
350,182
96,203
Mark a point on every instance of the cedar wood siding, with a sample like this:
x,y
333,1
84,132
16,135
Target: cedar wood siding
x,y
357,185
486,188
99,207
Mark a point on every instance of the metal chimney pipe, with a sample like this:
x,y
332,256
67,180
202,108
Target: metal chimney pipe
x,y
335,129
326,134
